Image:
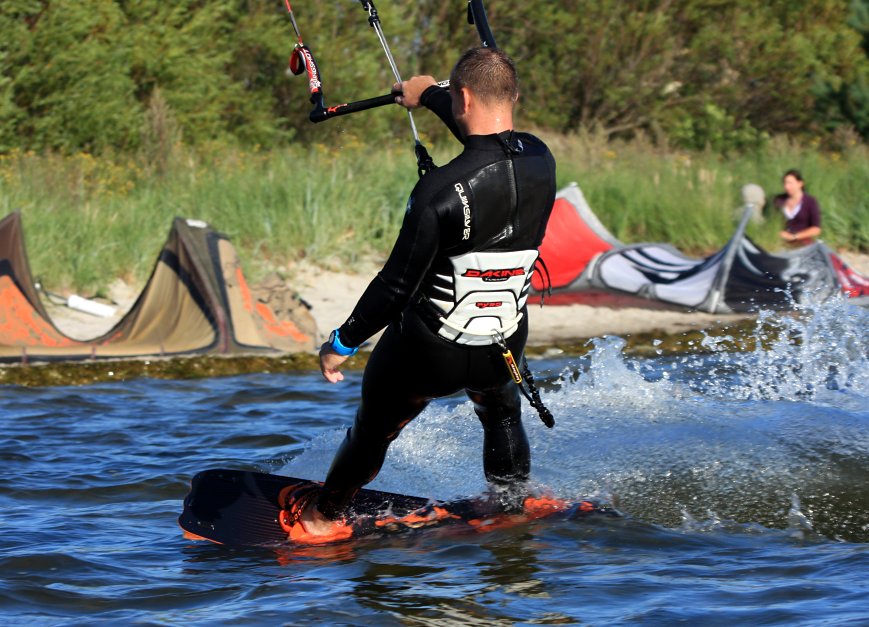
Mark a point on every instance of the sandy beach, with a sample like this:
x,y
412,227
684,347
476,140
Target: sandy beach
x,y
333,294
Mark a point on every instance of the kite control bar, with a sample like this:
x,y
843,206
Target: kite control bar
x,y
302,60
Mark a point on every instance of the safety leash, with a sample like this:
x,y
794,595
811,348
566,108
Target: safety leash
x,y
534,398
532,393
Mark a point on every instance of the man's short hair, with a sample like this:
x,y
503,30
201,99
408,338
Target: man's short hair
x,y
489,73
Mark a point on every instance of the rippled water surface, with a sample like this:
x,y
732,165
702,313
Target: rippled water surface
x,y
743,478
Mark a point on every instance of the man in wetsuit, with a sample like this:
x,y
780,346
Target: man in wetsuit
x,y
454,287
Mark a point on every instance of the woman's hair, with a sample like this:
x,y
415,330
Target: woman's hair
x,y
489,73
794,173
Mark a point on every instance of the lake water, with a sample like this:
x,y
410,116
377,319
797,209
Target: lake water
x,y
744,479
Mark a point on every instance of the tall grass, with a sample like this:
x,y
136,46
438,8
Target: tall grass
x,y
89,220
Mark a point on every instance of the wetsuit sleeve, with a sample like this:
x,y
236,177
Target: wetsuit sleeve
x,y
394,286
439,101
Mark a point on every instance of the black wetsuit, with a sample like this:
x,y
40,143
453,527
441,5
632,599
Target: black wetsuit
x,y
495,197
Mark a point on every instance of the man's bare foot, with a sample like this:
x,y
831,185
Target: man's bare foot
x,y
315,523
304,523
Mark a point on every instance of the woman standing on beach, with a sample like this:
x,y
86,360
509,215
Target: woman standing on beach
x,y
802,211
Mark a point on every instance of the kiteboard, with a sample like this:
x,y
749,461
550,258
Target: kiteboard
x,y
245,508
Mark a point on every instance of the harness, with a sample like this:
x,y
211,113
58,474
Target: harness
x,y
487,295
489,292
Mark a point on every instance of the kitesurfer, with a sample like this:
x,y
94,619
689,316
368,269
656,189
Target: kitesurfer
x,y
452,293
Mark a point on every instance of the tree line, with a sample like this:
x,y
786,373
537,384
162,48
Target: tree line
x,y
141,75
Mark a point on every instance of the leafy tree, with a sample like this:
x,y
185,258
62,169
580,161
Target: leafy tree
x,y
180,48
9,112
68,72
14,37
859,21
107,74
852,97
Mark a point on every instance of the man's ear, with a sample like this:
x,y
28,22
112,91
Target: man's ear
x,y
467,99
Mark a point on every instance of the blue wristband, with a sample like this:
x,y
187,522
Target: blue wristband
x,y
336,345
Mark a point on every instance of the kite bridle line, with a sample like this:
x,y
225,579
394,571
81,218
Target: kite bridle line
x,y
424,162
302,60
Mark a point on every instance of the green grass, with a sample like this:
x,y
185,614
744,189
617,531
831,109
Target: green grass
x,y
89,220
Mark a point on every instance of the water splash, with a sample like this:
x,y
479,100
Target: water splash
x,y
798,523
732,433
800,354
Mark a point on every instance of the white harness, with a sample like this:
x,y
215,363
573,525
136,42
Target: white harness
x,y
489,290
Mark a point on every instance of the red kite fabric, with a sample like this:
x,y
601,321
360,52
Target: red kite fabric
x,y
574,236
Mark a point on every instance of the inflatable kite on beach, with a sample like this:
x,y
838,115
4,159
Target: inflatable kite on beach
x,y
587,265
196,301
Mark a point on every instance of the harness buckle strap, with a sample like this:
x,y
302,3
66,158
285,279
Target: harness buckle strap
x,y
509,328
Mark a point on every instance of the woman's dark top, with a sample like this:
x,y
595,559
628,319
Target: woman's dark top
x,y
808,215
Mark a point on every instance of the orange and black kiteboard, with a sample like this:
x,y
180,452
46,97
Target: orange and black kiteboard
x,y
244,508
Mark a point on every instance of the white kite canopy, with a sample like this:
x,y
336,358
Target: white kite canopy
x,y
196,301
595,268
